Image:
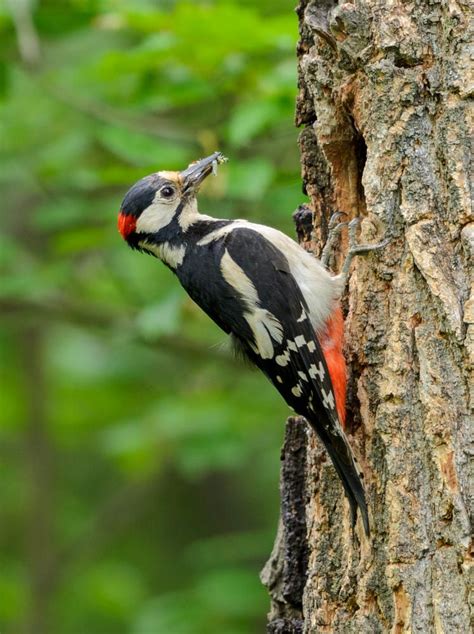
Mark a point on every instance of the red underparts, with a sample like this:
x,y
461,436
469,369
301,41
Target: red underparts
x,y
126,224
331,344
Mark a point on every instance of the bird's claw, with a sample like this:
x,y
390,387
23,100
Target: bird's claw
x,y
357,249
333,220
334,230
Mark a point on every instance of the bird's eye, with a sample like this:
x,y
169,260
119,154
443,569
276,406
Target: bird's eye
x,y
167,191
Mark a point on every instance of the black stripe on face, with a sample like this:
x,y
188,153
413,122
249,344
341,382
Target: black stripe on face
x,y
141,195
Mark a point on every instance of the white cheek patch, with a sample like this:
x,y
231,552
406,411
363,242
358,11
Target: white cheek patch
x,y
158,215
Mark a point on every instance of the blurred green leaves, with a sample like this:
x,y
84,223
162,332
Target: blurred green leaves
x,y
162,318
250,180
221,601
249,119
152,454
138,148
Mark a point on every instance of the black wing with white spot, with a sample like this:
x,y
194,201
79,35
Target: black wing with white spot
x,y
282,343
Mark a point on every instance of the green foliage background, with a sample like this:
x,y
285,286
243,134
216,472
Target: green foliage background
x,y
139,467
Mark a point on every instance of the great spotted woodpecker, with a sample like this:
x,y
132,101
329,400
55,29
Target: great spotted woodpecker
x,y
277,302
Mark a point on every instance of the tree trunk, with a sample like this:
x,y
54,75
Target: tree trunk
x,y
384,106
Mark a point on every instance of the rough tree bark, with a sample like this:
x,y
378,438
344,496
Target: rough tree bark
x,y
383,104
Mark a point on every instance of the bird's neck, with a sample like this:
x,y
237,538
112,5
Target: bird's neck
x,y
186,229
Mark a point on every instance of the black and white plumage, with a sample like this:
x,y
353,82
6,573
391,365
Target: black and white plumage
x,y
257,285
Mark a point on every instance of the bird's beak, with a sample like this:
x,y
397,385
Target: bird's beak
x,y
199,170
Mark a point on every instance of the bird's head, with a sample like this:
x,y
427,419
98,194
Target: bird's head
x,y
156,200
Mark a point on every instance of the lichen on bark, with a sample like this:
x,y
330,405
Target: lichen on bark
x,y
383,107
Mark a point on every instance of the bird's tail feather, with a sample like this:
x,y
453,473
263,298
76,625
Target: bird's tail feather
x,y
344,462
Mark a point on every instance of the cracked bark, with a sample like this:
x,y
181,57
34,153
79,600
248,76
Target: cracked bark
x,y
383,108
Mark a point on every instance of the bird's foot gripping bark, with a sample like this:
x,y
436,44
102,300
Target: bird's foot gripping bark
x,y
357,249
334,231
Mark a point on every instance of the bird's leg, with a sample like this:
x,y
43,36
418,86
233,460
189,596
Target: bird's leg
x,y
356,249
334,231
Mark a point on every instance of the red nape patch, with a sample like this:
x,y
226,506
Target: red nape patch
x,y
126,224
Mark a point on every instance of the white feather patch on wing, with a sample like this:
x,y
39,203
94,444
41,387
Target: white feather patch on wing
x,y
297,391
328,399
223,231
300,341
303,315
283,359
308,272
272,324
236,277
263,324
262,338
316,371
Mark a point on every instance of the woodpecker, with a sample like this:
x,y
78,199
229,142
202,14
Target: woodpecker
x,y
278,303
